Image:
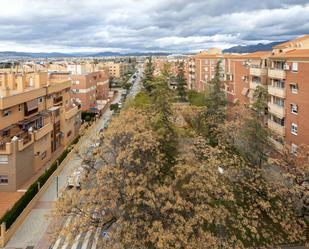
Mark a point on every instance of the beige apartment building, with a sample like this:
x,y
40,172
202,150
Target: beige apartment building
x,y
115,70
37,119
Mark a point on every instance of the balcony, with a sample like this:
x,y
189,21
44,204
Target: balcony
x,y
256,71
71,113
277,128
279,146
38,134
5,148
277,110
25,140
276,91
17,98
254,84
277,74
57,87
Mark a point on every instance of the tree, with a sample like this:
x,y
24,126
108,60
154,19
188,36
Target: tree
x,y
142,208
216,106
156,189
254,136
181,82
148,77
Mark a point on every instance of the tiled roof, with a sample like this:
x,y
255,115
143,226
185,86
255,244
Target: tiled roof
x,y
297,53
290,43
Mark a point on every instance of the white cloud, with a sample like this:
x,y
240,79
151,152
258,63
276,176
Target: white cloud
x,y
139,25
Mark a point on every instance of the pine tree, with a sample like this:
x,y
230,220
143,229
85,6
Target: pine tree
x,y
254,132
148,76
181,82
216,106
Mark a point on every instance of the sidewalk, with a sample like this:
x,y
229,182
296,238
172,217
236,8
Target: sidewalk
x,y
33,230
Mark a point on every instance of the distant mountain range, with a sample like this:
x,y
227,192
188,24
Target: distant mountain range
x,y
252,48
14,54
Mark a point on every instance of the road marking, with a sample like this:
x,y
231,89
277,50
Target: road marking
x,y
67,222
74,246
96,238
86,240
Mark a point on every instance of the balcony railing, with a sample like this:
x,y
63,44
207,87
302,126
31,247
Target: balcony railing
x,y
276,73
277,110
257,71
38,134
5,148
71,113
276,91
25,140
277,128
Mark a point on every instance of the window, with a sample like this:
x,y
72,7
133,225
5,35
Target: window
x,y
4,159
294,108
294,129
294,148
19,108
294,88
295,67
7,113
278,101
4,180
40,100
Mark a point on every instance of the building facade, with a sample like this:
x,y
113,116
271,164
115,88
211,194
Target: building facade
x,y
37,119
282,71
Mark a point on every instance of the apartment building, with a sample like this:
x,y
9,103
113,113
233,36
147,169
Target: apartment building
x,y
289,93
87,88
159,64
205,64
37,119
283,71
243,73
115,70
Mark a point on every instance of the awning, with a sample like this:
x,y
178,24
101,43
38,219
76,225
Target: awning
x,y
31,105
245,91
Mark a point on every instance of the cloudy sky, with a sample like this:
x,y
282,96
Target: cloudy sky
x,y
147,25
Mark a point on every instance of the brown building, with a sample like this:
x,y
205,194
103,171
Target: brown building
x,y
87,88
283,71
37,119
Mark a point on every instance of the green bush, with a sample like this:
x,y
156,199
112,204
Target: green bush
x,y
88,116
11,215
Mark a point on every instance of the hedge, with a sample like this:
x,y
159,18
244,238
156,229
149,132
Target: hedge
x,y
11,215
88,116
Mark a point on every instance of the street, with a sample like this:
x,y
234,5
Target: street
x,y
32,233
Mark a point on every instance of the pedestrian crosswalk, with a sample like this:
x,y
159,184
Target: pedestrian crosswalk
x,y
85,240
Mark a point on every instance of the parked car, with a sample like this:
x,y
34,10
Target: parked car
x,y
74,179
